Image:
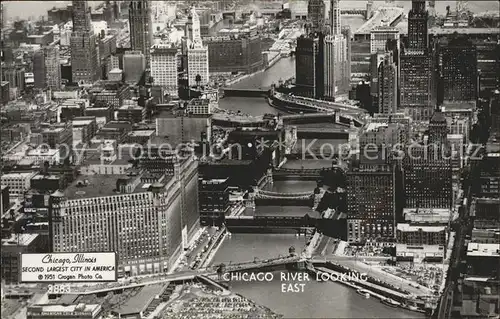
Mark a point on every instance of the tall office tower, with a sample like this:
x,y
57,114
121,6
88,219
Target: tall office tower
x,y
371,200
428,169
418,84
134,64
141,28
164,58
459,70
387,88
335,20
382,39
417,26
346,31
84,59
197,54
39,70
309,66
316,14
336,56
53,67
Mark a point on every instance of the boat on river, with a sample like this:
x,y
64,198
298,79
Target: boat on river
x,y
363,292
391,303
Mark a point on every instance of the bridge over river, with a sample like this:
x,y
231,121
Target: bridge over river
x,y
269,264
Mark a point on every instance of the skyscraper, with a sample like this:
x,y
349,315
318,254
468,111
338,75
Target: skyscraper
x,y
387,85
459,70
53,67
418,82
428,169
84,60
336,56
309,66
316,15
197,54
371,200
164,59
141,28
417,26
39,70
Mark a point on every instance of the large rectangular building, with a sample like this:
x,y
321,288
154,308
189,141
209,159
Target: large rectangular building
x,y
146,218
54,311
418,84
459,70
309,66
371,202
241,53
12,248
164,59
213,201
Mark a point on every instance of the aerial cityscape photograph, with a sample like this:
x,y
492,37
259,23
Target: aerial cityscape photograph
x,y
212,159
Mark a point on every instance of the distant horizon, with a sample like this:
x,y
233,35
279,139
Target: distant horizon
x,y
20,8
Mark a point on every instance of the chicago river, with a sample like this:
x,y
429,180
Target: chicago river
x,y
319,299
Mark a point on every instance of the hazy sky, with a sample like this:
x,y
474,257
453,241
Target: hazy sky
x,y
25,9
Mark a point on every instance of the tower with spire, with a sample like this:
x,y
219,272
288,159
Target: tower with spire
x,y
336,56
197,53
316,15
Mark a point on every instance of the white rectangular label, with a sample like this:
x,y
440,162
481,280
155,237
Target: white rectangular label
x,y
68,267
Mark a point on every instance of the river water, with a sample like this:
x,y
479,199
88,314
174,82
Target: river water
x,y
319,299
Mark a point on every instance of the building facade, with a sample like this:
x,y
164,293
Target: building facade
x,y
418,84
214,201
146,220
53,67
309,66
141,32
39,69
84,57
134,65
316,15
418,38
55,311
197,55
229,53
371,202
164,68
387,85
459,70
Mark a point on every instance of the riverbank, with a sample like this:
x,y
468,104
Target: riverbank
x,y
386,295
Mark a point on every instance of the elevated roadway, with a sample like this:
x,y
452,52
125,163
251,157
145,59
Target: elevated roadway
x,y
188,275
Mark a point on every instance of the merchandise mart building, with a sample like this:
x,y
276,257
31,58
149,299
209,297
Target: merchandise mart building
x,y
145,217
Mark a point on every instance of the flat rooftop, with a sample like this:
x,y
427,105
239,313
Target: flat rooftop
x,y
439,30
139,302
141,133
82,122
375,126
485,250
66,308
413,228
19,240
429,211
237,118
90,186
17,175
